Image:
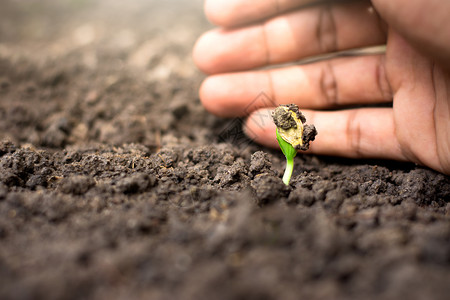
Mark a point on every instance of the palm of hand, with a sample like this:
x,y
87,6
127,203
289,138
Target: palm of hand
x,y
421,105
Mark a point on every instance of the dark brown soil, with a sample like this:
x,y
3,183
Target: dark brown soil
x,y
116,184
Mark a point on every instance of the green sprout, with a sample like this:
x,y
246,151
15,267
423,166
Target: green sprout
x,y
290,153
292,134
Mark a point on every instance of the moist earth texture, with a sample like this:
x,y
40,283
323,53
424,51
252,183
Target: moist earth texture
x,y
115,183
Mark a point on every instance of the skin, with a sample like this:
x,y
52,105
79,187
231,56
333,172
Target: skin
x,y
412,74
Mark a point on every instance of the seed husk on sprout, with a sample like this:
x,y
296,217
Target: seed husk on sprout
x,y
292,134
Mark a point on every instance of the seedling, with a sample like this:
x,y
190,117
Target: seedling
x,y
292,134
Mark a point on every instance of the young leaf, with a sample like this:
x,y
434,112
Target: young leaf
x,y
292,134
287,148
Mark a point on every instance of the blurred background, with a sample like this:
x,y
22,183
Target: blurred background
x,y
103,71
139,33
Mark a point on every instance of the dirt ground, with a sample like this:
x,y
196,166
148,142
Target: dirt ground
x,y
116,184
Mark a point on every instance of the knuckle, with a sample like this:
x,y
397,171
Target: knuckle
x,y
381,79
328,85
353,134
266,44
326,30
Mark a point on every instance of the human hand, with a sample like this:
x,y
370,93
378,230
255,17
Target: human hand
x,y
413,73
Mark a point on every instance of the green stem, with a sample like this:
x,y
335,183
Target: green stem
x,y
288,171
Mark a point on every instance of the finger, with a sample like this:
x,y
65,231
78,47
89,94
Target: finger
x,y
321,85
231,13
355,133
290,37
